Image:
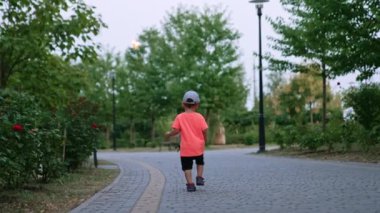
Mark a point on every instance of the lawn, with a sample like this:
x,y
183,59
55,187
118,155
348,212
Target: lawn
x,y
61,195
372,156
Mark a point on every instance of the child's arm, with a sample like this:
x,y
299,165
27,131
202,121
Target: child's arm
x,y
205,135
171,133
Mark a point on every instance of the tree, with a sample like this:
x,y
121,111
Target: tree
x,y
153,75
148,77
274,80
97,87
204,58
299,101
294,110
32,31
203,52
345,34
54,85
306,36
354,36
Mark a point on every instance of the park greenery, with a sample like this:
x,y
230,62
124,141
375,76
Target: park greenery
x,y
336,38
56,88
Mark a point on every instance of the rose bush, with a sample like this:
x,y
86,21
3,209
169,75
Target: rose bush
x,y
37,144
30,141
80,131
19,149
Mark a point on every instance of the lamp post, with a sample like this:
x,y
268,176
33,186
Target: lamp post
x,y
259,7
112,75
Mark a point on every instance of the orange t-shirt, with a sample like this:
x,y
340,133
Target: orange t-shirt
x,y
191,126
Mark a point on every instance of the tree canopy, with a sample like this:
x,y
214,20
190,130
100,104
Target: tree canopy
x,y
344,35
203,51
32,31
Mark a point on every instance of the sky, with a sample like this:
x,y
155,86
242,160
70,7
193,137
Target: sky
x,y
126,19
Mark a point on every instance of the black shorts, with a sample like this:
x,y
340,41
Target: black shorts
x,y
187,162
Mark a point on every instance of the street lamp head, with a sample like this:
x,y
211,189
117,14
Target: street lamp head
x,y
258,1
135,45
259,5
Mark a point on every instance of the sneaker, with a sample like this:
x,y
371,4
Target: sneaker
x,y
191,187
200,181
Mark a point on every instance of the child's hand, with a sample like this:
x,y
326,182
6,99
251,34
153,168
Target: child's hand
x,y
171,133
167,136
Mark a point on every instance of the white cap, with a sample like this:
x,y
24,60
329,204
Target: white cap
x,y
191,97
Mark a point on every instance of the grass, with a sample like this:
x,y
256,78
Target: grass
x,y
349,156
61,195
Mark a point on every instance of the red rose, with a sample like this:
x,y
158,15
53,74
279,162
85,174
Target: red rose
x,y
17,128
94,126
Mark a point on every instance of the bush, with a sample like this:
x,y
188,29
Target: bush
x,y
31,139
18,149
366,101
251,137
234,138
334,133
308,137
81,135
50,163
284,136
312,138
26,149
276,137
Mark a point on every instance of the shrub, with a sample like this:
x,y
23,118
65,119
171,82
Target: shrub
x,y
31,138
366,101
290,135
18,149
312,138
232,138
50,160
251,137
79,142
349,134
284,136
26,144
333,133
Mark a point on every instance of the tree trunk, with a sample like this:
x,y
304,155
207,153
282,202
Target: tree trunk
x,y
153,131
108,135
5,70
207,118
324,97
3,78
311,112
220,137
132,138
64,144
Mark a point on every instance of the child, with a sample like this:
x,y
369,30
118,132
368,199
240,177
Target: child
x,y
193,129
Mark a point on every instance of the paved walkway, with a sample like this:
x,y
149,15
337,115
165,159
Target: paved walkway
x,y
237,181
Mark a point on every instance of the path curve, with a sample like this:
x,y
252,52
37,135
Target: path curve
x,y
136,182
149,201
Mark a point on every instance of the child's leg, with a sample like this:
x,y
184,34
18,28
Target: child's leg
x,y
200,170
188,176
200,165
187,166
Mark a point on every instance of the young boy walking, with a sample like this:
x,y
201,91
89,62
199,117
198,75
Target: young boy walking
x,y
193,129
